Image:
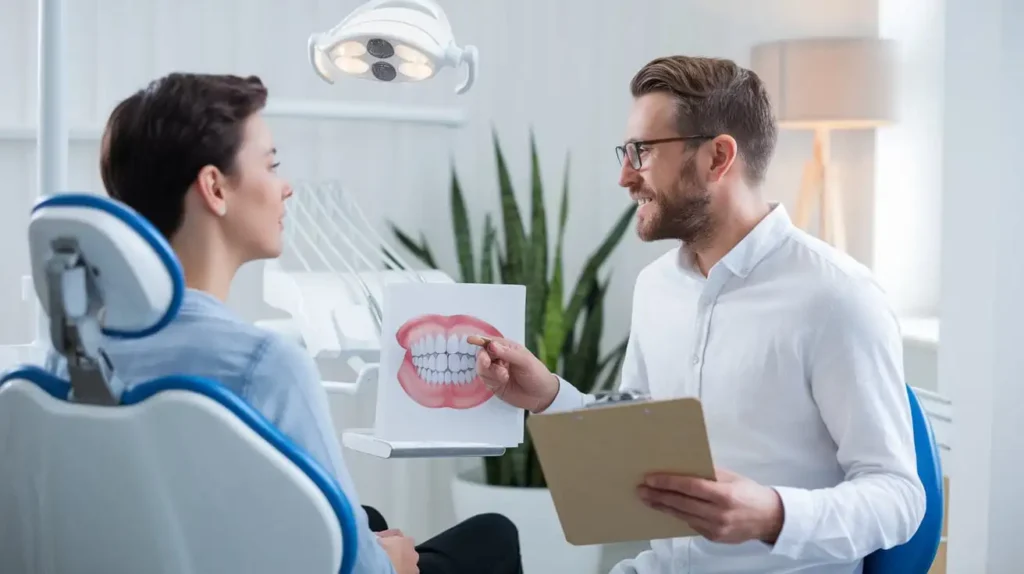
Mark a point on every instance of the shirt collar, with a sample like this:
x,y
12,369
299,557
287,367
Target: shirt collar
x,y
202,302
754,247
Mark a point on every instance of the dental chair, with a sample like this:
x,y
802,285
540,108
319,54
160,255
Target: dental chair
x,y
174,475
918,553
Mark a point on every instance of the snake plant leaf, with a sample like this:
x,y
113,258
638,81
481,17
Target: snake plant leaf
x,y
463,232
508,467
492,470
563,211
613,362
554,333
536,263
420,250
517,463
613,355
487,251
515,237
583,363
535,478
503,272
543,354
594,263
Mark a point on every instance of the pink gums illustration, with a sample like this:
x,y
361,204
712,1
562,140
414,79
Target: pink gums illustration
x,y
439,367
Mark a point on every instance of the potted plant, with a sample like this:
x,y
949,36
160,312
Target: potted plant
x,y
564,332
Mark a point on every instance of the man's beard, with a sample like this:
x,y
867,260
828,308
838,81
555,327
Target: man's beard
x,y
684,214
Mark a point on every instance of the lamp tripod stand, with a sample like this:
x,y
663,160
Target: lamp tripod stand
x,y
819,186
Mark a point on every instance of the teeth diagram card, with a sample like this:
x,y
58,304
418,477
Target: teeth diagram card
x,y
428,389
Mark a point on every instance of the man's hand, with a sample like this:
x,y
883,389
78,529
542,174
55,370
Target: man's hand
x,y
732,509
401,550
514,374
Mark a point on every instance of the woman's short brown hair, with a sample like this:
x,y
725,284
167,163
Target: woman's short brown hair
x,y
157,140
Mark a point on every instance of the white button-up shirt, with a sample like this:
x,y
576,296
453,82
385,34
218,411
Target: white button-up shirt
x,y
797,359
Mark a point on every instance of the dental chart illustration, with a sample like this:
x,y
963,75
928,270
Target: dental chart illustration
x,y
428,388
439,368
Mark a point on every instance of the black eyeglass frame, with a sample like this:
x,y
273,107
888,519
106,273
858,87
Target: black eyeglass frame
x,y
621,150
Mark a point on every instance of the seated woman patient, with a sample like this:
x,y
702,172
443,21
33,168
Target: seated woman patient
x,y
193,154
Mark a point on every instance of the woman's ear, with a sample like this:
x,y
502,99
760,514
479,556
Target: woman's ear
x,y
210,186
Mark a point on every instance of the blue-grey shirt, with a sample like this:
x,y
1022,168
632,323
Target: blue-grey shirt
x,y
268,371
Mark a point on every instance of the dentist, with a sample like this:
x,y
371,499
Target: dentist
x,y
789,344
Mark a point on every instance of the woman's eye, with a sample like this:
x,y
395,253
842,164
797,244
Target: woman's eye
x,y
273,167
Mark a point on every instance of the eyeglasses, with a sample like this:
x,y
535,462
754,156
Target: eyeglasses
x,y
632,150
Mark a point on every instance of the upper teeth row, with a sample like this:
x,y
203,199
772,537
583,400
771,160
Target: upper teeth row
x,y
642,201
441,344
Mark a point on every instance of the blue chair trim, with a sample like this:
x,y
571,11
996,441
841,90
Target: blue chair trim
x,y
916,556
54,386
148,232
59,388
267,431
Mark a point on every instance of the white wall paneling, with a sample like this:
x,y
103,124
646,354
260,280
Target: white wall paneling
x,y
980,360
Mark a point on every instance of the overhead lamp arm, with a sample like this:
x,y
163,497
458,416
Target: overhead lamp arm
x,y
470,56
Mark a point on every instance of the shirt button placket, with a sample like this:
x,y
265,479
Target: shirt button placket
x,y
698,346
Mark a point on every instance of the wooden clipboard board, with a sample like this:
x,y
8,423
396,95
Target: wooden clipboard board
x,y
594,458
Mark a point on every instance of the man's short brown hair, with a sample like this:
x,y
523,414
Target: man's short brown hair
x,y
716,96
158,139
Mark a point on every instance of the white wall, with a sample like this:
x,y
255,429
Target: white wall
x,y
980,361
561,67
908,160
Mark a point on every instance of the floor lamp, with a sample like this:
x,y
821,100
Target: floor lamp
x,y
826,84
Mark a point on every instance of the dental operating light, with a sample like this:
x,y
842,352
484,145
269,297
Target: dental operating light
x,y
391,41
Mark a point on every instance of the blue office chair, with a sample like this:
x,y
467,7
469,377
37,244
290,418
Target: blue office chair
x,y
171,475
917,555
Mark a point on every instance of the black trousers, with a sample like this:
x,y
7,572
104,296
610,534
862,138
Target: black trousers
x,y
483,544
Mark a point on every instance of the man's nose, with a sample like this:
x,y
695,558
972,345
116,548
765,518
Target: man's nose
x,y
288,191
627,175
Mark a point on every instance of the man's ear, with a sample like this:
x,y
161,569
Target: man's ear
x,y
723,150
210,187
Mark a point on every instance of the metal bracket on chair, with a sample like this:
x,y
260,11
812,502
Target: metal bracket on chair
x,y
76,303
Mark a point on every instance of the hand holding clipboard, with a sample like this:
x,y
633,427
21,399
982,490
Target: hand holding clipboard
x,y
631,469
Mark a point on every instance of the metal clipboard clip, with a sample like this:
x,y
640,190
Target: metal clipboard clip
x,y
612,398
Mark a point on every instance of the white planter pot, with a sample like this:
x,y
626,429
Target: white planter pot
x,y
542,542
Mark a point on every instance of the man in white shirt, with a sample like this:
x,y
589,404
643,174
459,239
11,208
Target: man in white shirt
x,y
789,344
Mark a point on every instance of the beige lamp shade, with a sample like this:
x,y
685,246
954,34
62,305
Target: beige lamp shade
x,y
837,83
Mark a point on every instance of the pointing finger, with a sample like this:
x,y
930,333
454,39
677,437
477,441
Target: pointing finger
x,y
483,361
478,340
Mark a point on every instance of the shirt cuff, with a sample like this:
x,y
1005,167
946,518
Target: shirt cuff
x,y
568,398
797,523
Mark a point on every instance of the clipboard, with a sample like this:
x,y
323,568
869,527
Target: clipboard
x,y
594,458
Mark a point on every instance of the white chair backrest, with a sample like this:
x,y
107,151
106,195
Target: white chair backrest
x,y
179,476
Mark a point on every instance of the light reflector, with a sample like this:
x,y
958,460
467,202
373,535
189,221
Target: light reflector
x,y
391,41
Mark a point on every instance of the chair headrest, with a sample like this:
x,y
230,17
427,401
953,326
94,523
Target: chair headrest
x,y
138,277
